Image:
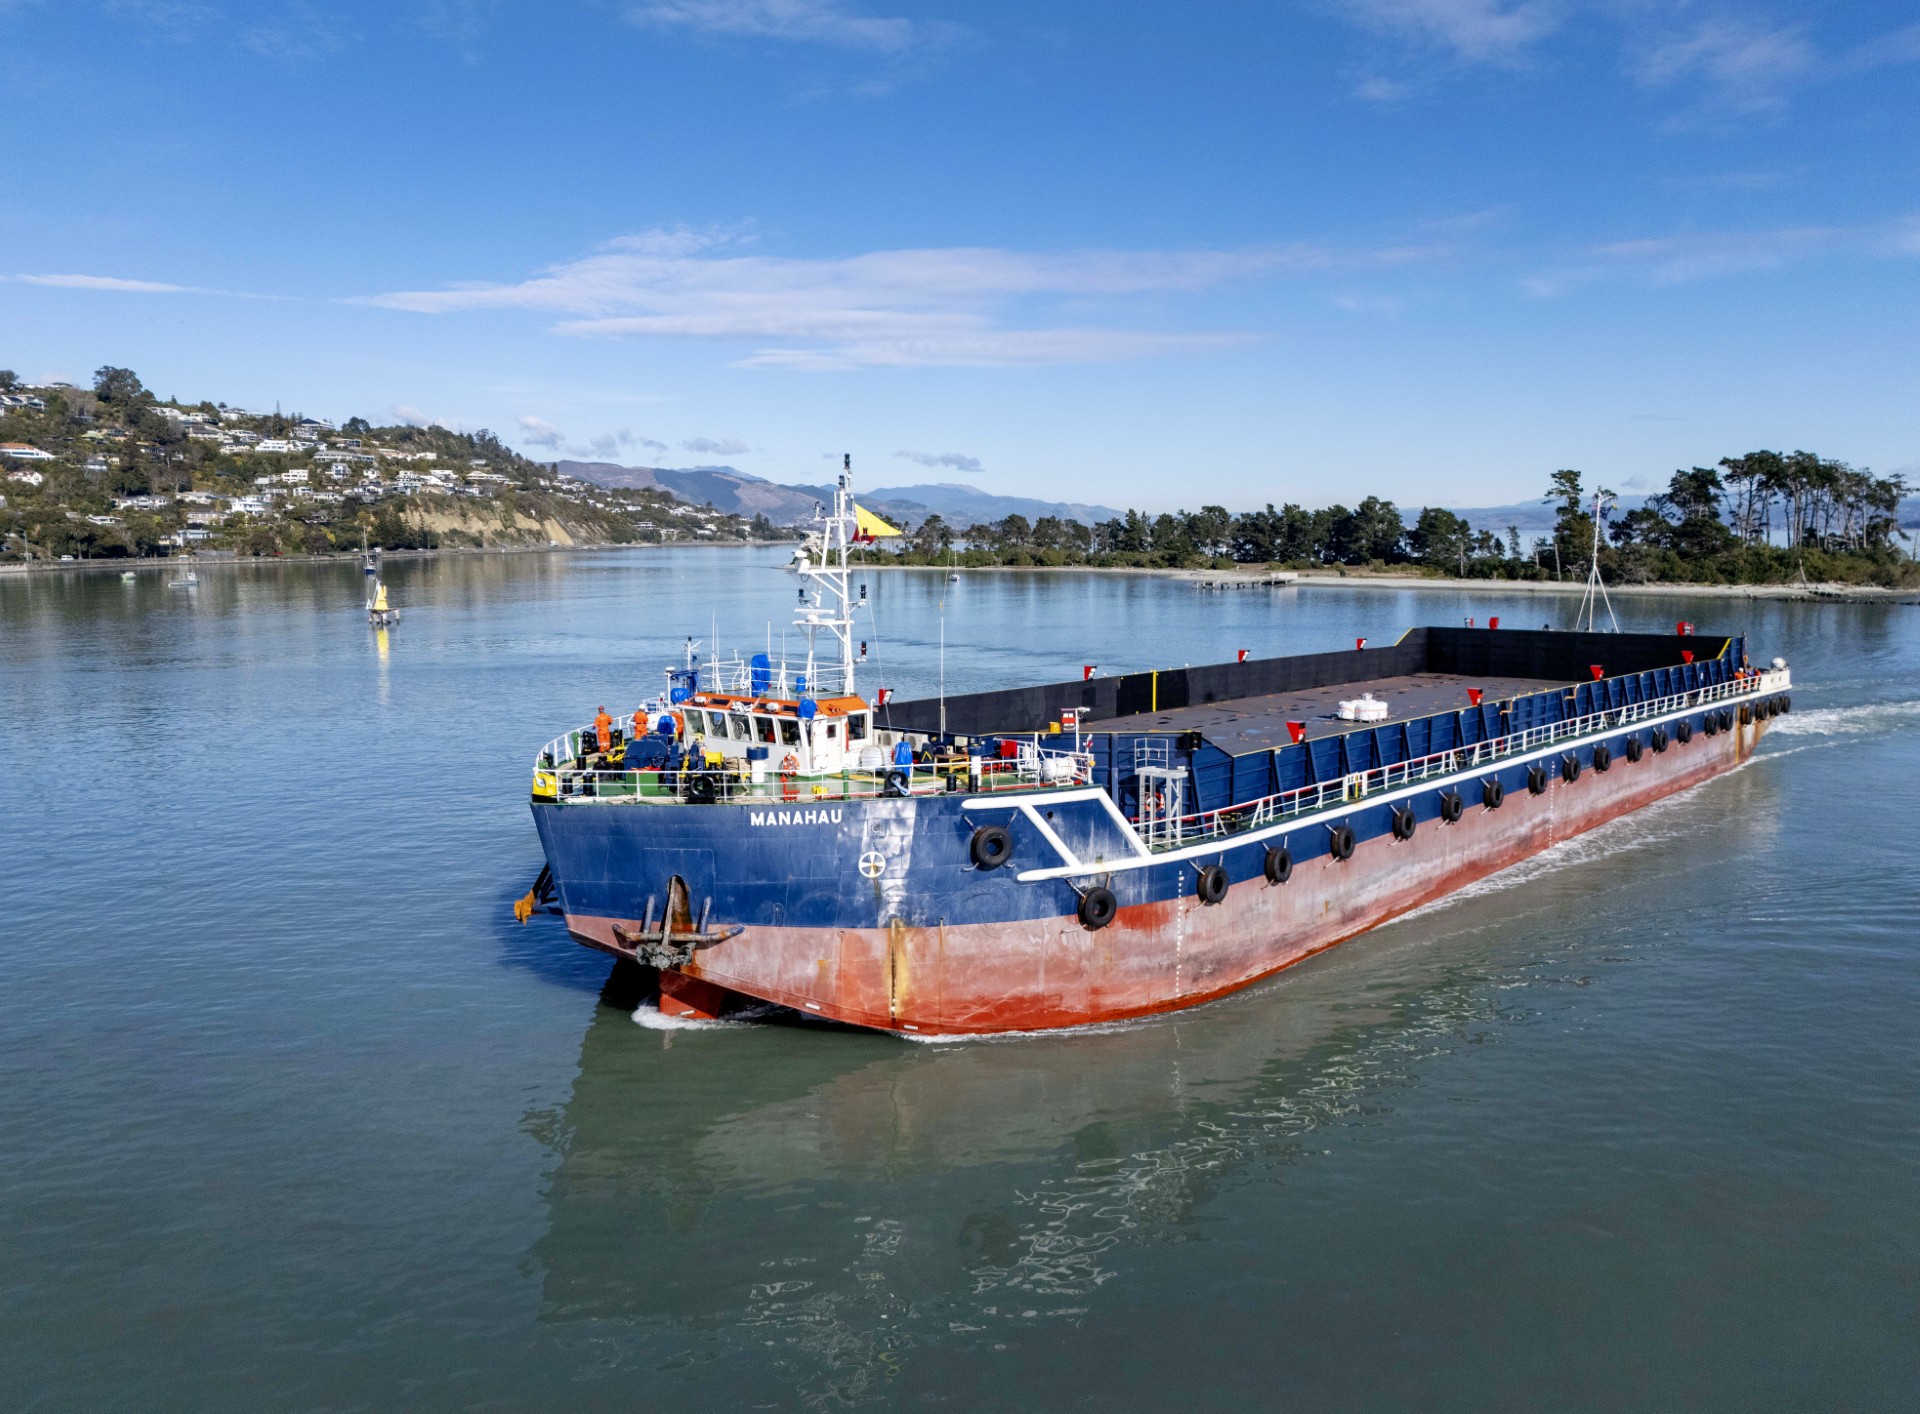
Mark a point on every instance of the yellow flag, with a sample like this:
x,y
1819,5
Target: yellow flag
x,y
871,524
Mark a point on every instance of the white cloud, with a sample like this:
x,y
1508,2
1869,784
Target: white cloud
x,y
895,308
956,461
410,416
538,432
1380,90
109,282
1703,255
1478,30
804,21
716,446
1746,66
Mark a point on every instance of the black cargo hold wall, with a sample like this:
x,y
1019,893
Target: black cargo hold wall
x,y
1524,653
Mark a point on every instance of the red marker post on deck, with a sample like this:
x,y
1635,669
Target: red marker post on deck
x,y
1474,694
1358,644
1686,655
1087,671
1243,656
1298,731
1597,670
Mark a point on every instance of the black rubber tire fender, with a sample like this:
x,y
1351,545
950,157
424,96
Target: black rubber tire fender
x,y
1278,865
1726,719
1786,704
1098,908
1404,822
1492,793
1746,714
1570,767
1340,841
1660,738
1634,747
703,788
1211,887
1602,757
898,785
1710,724
991,846
1537,779
1452,807
1683,731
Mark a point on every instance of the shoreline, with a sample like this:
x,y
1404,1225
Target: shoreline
x,y
22,569
1309,579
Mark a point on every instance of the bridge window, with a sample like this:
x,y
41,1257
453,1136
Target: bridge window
x,y
789,732
857,726
763,729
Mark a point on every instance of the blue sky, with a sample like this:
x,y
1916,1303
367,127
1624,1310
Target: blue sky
x,y
1145,254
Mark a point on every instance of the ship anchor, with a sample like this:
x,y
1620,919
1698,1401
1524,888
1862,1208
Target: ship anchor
x,y
673,941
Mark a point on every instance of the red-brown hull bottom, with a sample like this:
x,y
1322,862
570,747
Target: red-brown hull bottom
x,y
1040,975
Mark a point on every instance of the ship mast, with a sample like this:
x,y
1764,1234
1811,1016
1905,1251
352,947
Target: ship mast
x,y
822,559
1596,596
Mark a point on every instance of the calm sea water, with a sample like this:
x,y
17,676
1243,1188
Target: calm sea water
x,y
294,1116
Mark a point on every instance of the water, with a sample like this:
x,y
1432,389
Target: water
x,y
294,1116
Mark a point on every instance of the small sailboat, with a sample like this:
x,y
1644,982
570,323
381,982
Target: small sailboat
x,y
186,579
380,613
126,576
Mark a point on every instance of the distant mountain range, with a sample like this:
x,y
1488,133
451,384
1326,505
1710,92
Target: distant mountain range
x,y
742,493
729,489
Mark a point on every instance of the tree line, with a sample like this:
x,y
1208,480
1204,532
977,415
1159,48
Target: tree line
x,y
1759,518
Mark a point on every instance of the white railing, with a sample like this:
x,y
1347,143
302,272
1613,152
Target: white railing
x,y
1033,766
734,677
1357,786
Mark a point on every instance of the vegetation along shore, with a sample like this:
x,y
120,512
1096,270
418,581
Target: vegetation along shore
x,y
1766,518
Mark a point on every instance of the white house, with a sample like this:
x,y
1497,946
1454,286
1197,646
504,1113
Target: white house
x,y
31,478
24,452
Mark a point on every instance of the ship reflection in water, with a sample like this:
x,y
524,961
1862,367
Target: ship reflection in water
x,y
831,1204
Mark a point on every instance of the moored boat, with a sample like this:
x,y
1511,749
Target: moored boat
x,y
1094,850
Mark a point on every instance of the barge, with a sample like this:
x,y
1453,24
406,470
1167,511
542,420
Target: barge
x,y
1091,851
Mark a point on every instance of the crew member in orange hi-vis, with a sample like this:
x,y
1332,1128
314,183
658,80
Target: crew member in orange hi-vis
x,y
603,728
639,724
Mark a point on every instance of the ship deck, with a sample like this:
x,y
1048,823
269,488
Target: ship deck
x,y
1243,724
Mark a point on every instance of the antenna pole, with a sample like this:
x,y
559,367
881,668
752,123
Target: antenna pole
x,y
823,559
1595,597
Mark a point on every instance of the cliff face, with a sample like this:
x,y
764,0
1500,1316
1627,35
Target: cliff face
x,y
533,520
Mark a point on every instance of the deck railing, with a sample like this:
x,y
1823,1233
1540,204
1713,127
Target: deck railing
x,y
1032,766
1359,785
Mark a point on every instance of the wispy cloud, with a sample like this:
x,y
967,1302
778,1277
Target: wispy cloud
x,y
1476,30
1745,65
1376,89
1704,255
178,20
896,308
716,446
111,282
538,432
299,31
953,461
825,22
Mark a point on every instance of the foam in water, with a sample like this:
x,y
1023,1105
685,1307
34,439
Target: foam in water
x,y
649,1015
1848,721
